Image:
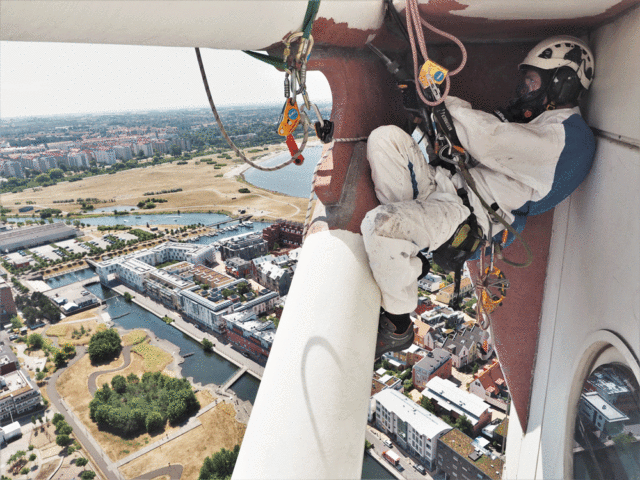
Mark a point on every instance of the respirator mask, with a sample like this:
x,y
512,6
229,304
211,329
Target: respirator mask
x,y
529,102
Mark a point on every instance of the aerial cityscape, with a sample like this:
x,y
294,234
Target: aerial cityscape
x,y
90,248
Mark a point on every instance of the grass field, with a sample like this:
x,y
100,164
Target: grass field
x,y
202,190
155,359
134,337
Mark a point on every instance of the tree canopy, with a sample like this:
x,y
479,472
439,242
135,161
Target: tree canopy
x,y
220,465
104,345
134,405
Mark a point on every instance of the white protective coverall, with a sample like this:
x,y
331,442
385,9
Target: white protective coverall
x,y
419,205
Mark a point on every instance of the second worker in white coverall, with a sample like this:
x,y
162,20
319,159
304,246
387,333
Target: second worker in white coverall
x,y
533,156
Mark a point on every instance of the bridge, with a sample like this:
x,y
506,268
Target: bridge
x,y
240,220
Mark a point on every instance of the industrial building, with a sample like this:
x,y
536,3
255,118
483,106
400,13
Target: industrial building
x,y
28,237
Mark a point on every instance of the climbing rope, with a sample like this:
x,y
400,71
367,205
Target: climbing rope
x,y
414,28
228,139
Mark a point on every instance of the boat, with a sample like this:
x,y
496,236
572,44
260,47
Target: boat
x,y
138,217
556,324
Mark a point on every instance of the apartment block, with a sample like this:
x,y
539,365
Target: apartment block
x,y
411,426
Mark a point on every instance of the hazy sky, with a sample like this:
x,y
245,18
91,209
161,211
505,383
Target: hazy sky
x,y
56,78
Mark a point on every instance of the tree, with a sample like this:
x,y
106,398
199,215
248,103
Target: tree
x,y
63,440
56,173
104,345
43,178
220,464
464,425
56,418
119,384
427,404
207,344
60,359
128,297
243,287
64,429
133,378
88,475
81,462
154,422
35,341
40,376
176,151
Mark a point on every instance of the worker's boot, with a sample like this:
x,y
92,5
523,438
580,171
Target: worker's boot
x,y
390,341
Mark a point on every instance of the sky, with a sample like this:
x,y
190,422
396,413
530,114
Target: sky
x,y
61,78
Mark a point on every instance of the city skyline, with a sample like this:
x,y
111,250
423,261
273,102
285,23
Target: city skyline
x,y
48,79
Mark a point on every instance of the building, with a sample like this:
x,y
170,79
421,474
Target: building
x,y
123,152
381,380
28,237
446,294
11,168
245,247
431,282
405,358
490,386
18,394
165,287
7,305
437,363
248,333
207,311
468,345
274,277
456,402
460,458
10,432
284,233
413,428
237,267
207,276
601,414
134,267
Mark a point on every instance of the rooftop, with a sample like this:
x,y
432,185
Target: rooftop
x,y
424,422
448,395
608,411
462,444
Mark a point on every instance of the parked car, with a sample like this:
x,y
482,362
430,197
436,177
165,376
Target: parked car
x,y
420,468
399,467
388,443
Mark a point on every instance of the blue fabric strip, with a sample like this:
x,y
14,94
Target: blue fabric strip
x,y
414,183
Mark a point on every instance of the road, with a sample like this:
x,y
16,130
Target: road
x,y
376,438
93,388
79,431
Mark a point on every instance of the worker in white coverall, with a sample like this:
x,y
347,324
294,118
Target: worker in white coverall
x,y
531,154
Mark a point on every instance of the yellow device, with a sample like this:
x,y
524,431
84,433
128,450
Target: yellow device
x,y
435,71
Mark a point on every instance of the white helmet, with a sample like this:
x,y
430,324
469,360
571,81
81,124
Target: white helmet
x,y
563,51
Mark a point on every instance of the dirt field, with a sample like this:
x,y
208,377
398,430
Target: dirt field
x,y
202,186
219,429
65,332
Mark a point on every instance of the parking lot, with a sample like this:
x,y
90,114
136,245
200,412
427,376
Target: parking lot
x,y
73,246
46,251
